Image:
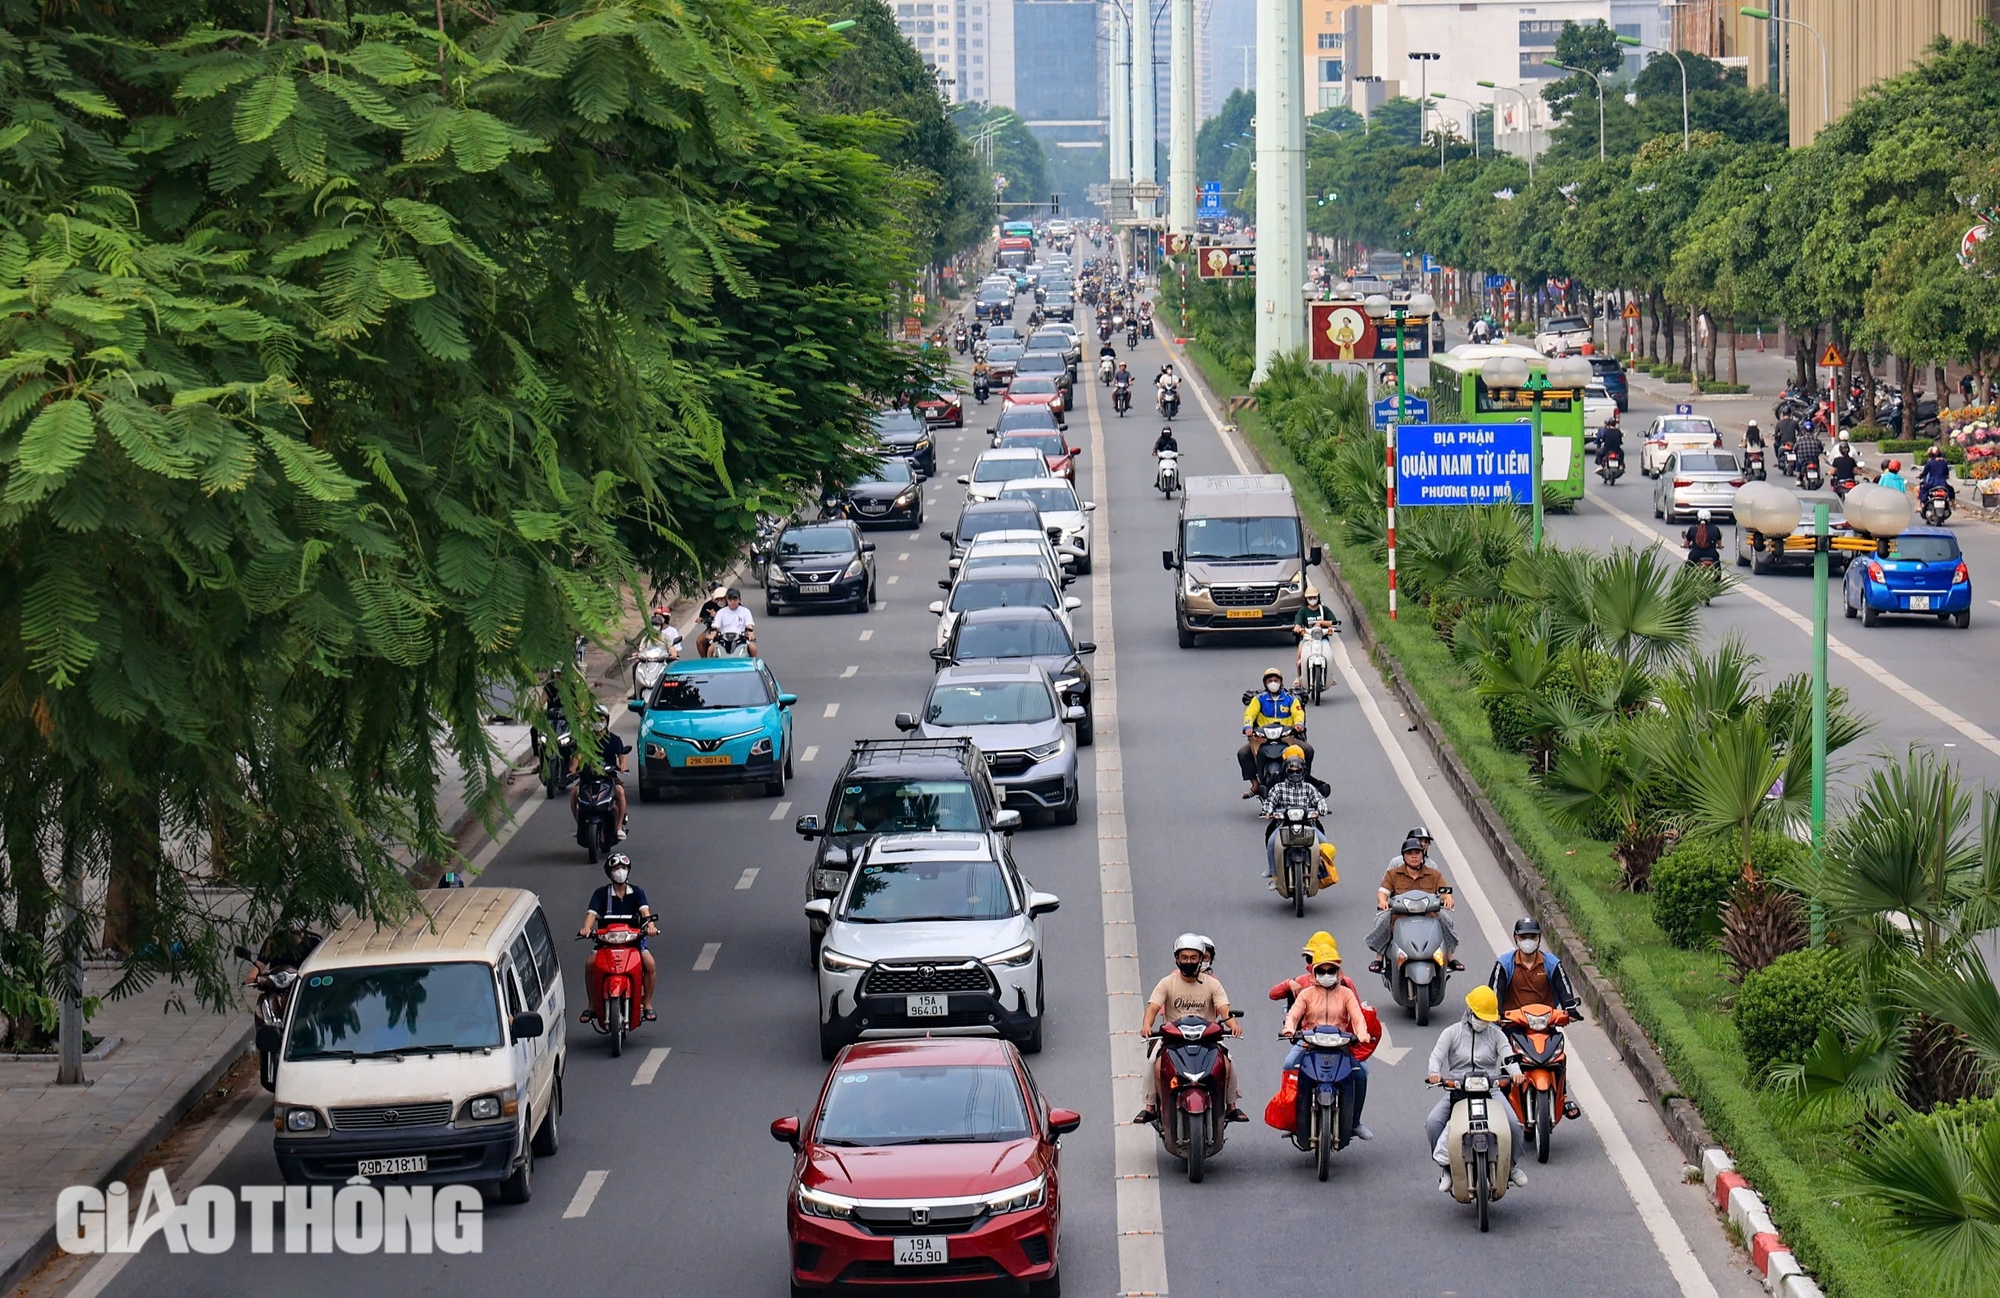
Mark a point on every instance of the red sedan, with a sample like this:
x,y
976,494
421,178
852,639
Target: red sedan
x,y
1034,390
1061,456
930,1161
946,409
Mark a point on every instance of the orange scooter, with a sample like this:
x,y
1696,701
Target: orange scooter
x,y
1540,1098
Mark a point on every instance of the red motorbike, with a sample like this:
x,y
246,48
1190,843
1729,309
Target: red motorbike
x,y
616,979
1541,1097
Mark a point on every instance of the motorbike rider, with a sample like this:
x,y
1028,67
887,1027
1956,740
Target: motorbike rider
x,y
1165,442
1329,997
734,619
1892,476
1312,613
1845,467
705,642
1753,436
1610,438
982,378
1808,448
1294,790
1935,473
1703,541
1529,975
1474,1044
1321,950
1184,992
614,750
625,902
1273,704
663,631
1121,383
1413,872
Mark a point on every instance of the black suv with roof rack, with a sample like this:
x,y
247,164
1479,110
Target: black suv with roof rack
x,y
900,786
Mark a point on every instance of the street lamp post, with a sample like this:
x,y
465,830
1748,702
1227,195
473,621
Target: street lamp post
x,y
1472,121
1825,64
1527,115
1561,378
1379,308
1597,77
1687,136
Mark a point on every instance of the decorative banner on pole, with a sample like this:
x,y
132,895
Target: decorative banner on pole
x,y
1177,243
1227,263
1464,464
1342,331
1968,247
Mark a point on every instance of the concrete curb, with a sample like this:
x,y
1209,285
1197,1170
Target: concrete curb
x,y
1745,1208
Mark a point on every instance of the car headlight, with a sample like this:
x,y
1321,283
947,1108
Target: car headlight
x,y
834,962
923,443
301,1119
829,880
907,497
854,569
1014,957
1043,752
1297,585
1018,1198
1194,587
656,752
762,748
818,1203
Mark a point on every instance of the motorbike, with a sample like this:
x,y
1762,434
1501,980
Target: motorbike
x,y
555,759
1167,476
1810,478
1131,335
1753,462
1121,398
1170,401
981,388
274,982
1937,506
962,342
1193,1068
1414,966
1479,1144
1788,461
1118,318
1271,739
760,548
1316,668
1611,467
1145,326
1325,1113
648,665
1106,367
1844,483
1104,331
730,644
613,977
1540,1095
1295,847
596,814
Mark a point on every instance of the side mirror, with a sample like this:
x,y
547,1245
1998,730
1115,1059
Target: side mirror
x,y
1247,696
1007,821
786,700
944,584
245,953
1089,506
937,607
1087,647
1071,603
635,705
1074,713
1061,1121
867,547
1075,451
964,479
786,1131
1313,558
808,827
1167,560
1043,903
1066,559
944,536
526,1027
905,721
820,908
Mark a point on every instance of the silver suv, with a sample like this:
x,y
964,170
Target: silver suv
x,y
1019,720
934,935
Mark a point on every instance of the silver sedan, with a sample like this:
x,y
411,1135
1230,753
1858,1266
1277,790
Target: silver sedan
x,y
1691,481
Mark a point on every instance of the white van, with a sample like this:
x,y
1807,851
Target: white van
x,y
429,1053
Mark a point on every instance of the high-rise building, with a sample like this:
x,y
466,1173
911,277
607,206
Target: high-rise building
x,y
951,37
1225,52
1325,54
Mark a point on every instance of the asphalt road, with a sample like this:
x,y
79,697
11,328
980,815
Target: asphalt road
x,y
692,1200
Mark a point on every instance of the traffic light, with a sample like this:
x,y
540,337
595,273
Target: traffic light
x,y
1055,204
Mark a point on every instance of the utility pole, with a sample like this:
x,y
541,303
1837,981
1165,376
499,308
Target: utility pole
x,y
1281,181
1145,108
1121,112
1180,122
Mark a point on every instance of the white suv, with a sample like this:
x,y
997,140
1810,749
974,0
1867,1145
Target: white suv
x,y
1066,518
934,935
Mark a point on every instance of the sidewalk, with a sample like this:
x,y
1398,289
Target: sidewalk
x,y
162,1063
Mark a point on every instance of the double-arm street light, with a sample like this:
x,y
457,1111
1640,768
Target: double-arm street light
x,y
1472,122
1562,378
1825,64
1527,115
1418,306
1598,77
1637,44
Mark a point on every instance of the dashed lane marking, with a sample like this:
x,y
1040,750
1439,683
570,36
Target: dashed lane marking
x,y
778,812
849,672
706,960
586,1193
868,635
812,751
749,877
832,709
649,1068
894,578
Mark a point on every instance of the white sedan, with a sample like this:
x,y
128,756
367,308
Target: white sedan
x,y
996,468
1670,433
1066,518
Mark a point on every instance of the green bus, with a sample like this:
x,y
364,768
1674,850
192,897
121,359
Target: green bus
x,y
1019,230
1459,397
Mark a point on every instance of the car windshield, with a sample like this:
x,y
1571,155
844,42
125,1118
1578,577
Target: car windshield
x,y
966,1103
1023,520
1015,419
896,421
1059,499
1706,464
1042,363
1213,539
906,807
815,540
1014,638
887,892
890,470
1001,703
1003,468
1003,592
391,1009
1047,338
1002,334
1566,322
715,690
1003,352
1686,428
1923,549
1049,444
1031,385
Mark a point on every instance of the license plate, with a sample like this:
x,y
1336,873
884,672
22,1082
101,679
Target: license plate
x,y
814,590
394,1166
922,1250
1245,613
1920,601
710,759
928,1007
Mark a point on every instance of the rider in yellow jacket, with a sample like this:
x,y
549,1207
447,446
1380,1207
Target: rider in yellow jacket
x,y
1273,704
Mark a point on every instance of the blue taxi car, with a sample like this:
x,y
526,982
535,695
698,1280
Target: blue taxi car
x,y
1922,574
715,721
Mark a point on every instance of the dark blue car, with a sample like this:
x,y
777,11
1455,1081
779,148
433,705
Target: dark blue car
x,y
1611,374
1923,574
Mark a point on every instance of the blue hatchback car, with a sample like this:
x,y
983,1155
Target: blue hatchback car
x,y
715,721
1922,574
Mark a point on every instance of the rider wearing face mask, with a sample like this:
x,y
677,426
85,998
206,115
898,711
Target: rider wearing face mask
x,y
1328,997
624,902
1474,1044
1529,975
1184,992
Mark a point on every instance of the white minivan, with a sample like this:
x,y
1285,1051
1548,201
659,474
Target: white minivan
x,y
427,1053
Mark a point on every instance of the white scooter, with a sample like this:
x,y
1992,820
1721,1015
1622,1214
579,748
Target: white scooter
x,y
1106,367
649,664
1478,1142
1167,477
1316,661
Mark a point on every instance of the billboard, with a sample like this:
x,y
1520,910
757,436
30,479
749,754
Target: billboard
x,y
1342,331
1221,262
1463,464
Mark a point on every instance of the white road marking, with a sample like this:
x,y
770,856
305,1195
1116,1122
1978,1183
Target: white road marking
x,y
706,960
1659,1221
849,671
894,578
1910,693
868,635
812,751
832,709
904,557
649,1068
1994,602
749,877
778,812
586,1193
1388,1052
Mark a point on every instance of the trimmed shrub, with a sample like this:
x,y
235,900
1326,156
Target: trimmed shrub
x,y
1690,884
1782,1007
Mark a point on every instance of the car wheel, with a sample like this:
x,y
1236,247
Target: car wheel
x,y
1183,634
1962,619
1758,566
1847,609
1030,1041
829,1042
1870,615
1742,559
770,609
1067,813
647,793
520,1186
1083,565
776,788
548,1136
1658,512
1086,730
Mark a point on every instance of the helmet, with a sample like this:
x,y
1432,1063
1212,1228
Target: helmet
x,y
1483,1003
1292,752
1295,767
1417,831
1194,942
603,715
1526,926
617,860
1895,466
732,593
1414,845
1317,943
1312,593
1753,423
1704,515
1269,672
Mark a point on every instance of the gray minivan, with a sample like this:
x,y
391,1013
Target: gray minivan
x,y
1240,556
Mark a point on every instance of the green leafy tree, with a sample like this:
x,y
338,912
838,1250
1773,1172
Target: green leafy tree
x,y
1224,145
1587,47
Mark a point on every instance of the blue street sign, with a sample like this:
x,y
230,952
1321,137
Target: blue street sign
x,y
1683,408
1496,281
1415,409
1211,199
1463,464
1432,265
